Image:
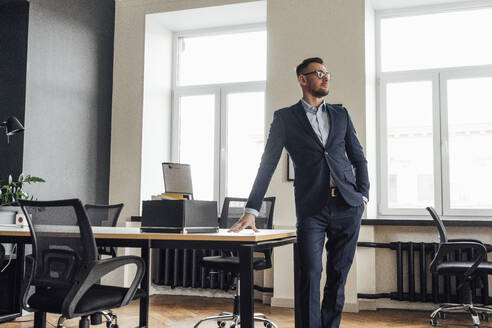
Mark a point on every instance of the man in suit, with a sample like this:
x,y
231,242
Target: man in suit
x,y
331,189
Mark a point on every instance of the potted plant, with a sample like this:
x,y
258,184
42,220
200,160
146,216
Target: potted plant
x,y
10,193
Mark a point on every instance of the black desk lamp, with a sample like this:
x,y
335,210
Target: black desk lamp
x,y
12,126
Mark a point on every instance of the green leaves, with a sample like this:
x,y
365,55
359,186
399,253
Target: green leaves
x,y
12,191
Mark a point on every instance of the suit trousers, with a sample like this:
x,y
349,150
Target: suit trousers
x,y
340,224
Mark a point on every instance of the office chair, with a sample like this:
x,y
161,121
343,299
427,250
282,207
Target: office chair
x,y
466,271
231,211
62,272
104,216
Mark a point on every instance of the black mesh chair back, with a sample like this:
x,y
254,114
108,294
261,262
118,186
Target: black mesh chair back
x,y
440,225
233,209
62,240
63,271
104,216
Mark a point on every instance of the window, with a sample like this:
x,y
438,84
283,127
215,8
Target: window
x,y
219,108
435,112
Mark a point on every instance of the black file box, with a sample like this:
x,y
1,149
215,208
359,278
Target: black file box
x,y
179,216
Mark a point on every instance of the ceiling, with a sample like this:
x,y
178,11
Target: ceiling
x,y
393,4
210,17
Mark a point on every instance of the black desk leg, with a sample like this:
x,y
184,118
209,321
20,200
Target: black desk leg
x,y
144,301
297,315
246,287
39,319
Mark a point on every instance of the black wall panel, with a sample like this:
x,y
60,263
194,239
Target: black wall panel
x,y
14,18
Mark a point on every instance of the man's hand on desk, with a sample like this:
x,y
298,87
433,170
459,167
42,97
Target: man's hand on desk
x,y
247,220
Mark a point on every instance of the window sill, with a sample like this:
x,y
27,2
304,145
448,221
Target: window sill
x,y
424,222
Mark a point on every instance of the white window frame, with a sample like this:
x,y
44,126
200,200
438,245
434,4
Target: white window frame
x,y
410,76
439,114
220,92
467,72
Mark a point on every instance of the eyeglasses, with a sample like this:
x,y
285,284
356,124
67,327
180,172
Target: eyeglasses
x,y
320,74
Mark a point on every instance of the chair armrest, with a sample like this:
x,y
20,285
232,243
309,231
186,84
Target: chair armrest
x,y
446,248
93,272
488,247
465,241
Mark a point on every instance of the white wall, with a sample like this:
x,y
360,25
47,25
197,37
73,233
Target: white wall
x,y
141,101
127,147
366,278
337,35
340,31
156,131
333,30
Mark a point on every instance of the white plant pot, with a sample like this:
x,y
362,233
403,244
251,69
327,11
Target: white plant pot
x,y
12,215
7,215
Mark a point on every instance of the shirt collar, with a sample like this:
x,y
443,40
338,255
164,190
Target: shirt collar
x,y
311,109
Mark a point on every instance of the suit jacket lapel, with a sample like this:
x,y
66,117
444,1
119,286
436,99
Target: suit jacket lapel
x,y
301,115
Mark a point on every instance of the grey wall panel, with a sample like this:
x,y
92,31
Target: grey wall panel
x,y
68,98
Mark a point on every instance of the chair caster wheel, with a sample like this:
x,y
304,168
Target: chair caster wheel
x,y
267,325
484,316
221,324
476,326
433,322
233,325
442,315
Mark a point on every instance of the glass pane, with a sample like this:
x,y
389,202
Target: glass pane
x,y
451,39
470,142
235,57
197,122
245,134
410,144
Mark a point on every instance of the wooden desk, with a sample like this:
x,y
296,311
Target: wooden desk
x,y
245,242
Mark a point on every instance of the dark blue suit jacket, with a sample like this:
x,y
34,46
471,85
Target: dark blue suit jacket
x,y
342,156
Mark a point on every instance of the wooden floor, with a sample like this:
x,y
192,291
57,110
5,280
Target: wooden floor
x,y
185,311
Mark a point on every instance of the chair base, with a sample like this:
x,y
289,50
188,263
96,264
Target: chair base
x,y
476,312
95,320
236,320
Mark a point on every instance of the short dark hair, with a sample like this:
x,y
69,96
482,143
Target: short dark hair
x,y
302,66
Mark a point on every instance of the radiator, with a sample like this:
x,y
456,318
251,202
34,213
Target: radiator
x,y
414,281
181,268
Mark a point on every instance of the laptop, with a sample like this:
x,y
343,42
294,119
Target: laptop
x,y
177,179
179,216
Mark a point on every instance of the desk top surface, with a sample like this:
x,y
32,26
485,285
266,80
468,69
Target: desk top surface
x,y
135,233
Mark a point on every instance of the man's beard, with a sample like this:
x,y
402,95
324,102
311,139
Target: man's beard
x,y
320,93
